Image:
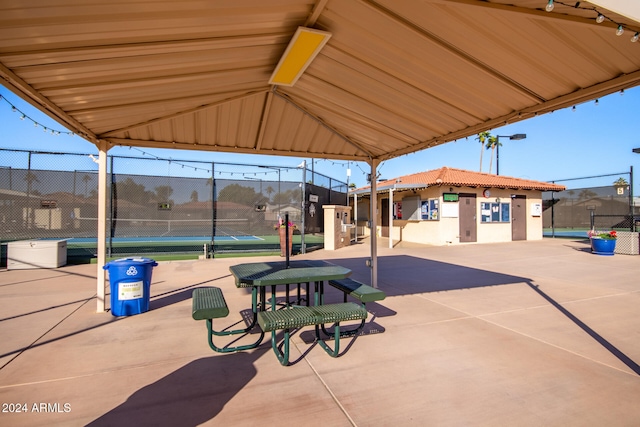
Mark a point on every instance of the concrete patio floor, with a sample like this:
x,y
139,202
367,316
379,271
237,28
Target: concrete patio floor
x,y
519,334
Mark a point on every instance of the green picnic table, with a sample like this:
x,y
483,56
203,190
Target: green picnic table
x,y
208,303
259,275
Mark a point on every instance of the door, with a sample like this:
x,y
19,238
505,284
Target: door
x,y
518,217
468,218
384,221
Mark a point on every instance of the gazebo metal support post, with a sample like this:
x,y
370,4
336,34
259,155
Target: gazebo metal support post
x,y
102,225
390,218
374,224
355,215
214,211
303,248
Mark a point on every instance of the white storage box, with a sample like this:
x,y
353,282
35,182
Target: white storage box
x,y
25,254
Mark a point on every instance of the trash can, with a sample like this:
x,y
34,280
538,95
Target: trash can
x,y
130,282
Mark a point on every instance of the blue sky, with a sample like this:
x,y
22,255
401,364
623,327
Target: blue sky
x,y
594,139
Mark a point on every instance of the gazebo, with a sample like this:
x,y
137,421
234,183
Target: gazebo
x,y
361,80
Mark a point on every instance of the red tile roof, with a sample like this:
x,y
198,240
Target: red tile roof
x,y
464,178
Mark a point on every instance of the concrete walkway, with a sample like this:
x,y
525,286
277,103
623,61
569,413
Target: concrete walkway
x,y
519,334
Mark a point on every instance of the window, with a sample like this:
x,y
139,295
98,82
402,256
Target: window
x,y
429,210
495,212
411,208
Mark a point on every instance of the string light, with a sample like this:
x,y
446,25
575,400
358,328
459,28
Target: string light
x,y
600,17
23,116
333,162
549,6
36,124
346,164
274,169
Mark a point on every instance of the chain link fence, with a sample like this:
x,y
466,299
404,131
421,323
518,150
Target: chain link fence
x,y
160,205
577,210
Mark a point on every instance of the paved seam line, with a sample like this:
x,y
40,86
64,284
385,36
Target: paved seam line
x,y
46,332
102,372
326,386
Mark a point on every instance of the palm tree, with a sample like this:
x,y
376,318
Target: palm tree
x,y
269,191
30,177
210,184
86,178
482,137
620,182
586,194
492,143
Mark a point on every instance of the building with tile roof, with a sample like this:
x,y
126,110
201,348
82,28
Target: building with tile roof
x,y
450,206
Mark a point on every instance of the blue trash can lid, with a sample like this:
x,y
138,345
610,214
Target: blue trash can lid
x,y
131,261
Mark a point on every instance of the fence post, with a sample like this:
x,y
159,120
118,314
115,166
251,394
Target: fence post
x,y
553,218
632,219
214,212
29,204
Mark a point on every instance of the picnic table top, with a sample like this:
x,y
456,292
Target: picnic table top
x,y
276,273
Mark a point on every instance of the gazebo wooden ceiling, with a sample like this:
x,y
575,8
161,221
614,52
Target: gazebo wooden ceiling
x,y
395,77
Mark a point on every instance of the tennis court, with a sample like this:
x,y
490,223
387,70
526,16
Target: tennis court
x,y
166,239
83,249
195,237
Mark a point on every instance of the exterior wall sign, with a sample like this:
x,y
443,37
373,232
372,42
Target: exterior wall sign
x,y
450,197
536,209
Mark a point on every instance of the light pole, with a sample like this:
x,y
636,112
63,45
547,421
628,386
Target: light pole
x,y
516,136
631,208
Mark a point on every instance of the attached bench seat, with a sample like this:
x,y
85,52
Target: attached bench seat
x,y
361,292
208,303
297,317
